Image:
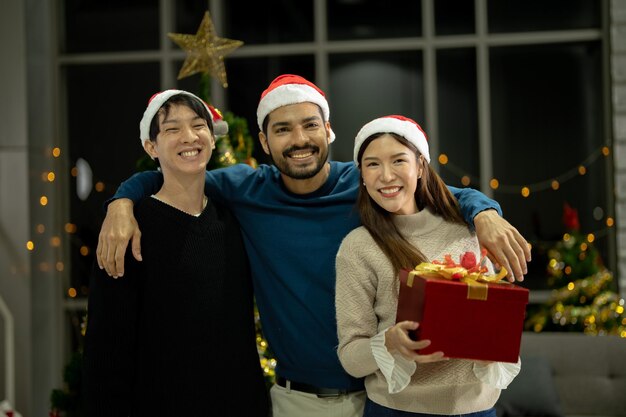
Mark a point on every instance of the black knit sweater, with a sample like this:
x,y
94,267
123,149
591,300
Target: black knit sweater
x,y
175,335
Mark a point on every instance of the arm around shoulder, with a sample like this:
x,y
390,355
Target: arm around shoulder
x,y
139,185
504,243
118,228
472,202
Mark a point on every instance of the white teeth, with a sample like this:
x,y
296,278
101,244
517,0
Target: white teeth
x,y
390,190
301,155
189,153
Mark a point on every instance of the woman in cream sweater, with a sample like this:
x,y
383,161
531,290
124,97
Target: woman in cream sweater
x,y
408,217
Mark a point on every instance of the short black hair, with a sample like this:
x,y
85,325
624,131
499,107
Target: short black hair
x,y
193,103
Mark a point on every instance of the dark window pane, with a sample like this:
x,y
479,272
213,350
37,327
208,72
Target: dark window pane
x,y
546,115
76,320
189,14
454,17
458,116
369,19
366,86
536,15
115,25
193,83
104,106
272,21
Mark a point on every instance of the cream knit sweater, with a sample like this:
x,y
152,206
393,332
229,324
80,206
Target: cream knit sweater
x,y
366,301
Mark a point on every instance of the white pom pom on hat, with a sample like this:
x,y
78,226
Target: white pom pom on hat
x,y
400,125
289,89
220,127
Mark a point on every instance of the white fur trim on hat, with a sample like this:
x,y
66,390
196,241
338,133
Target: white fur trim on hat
x,y
286,94
220,127
404,127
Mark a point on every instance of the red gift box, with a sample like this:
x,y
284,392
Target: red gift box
x,y
469,320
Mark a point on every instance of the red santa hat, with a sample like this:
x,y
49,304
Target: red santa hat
x,y
220,127
291,89
400,125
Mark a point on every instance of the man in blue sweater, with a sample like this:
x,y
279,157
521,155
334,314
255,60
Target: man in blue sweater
x,y
294,215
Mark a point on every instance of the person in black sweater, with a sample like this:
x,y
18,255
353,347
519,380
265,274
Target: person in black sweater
x,y
175,335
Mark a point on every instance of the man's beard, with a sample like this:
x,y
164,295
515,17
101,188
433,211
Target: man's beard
x,y
300,173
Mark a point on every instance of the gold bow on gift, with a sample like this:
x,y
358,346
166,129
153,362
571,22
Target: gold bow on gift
x,y
476,280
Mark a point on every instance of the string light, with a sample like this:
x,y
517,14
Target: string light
x,y
43,200
553,183
56,152
30,245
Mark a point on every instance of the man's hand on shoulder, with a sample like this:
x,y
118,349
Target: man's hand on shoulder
x,y
506,246
118,228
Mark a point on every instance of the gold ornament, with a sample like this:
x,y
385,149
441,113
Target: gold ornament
x,y
205,51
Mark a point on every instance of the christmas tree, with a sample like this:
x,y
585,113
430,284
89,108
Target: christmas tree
x,y
205,56
68,401
583,298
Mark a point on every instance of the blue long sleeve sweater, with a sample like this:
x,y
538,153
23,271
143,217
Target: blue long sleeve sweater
x,y
292,241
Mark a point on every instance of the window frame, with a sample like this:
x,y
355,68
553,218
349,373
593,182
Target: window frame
x,y
321,49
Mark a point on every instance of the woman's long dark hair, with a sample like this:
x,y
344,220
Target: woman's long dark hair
x,y
431,192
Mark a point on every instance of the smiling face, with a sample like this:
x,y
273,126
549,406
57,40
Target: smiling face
x,y
184,143
390,171
297,140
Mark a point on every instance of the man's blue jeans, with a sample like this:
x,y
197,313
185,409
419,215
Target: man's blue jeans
x,y
375,410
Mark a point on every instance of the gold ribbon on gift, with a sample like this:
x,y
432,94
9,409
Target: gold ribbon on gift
x,y
477,288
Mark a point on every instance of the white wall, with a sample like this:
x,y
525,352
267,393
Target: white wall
x,y
46,291
14,199
33,293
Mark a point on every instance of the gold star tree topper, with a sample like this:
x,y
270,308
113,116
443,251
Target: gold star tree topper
x,y
205,51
